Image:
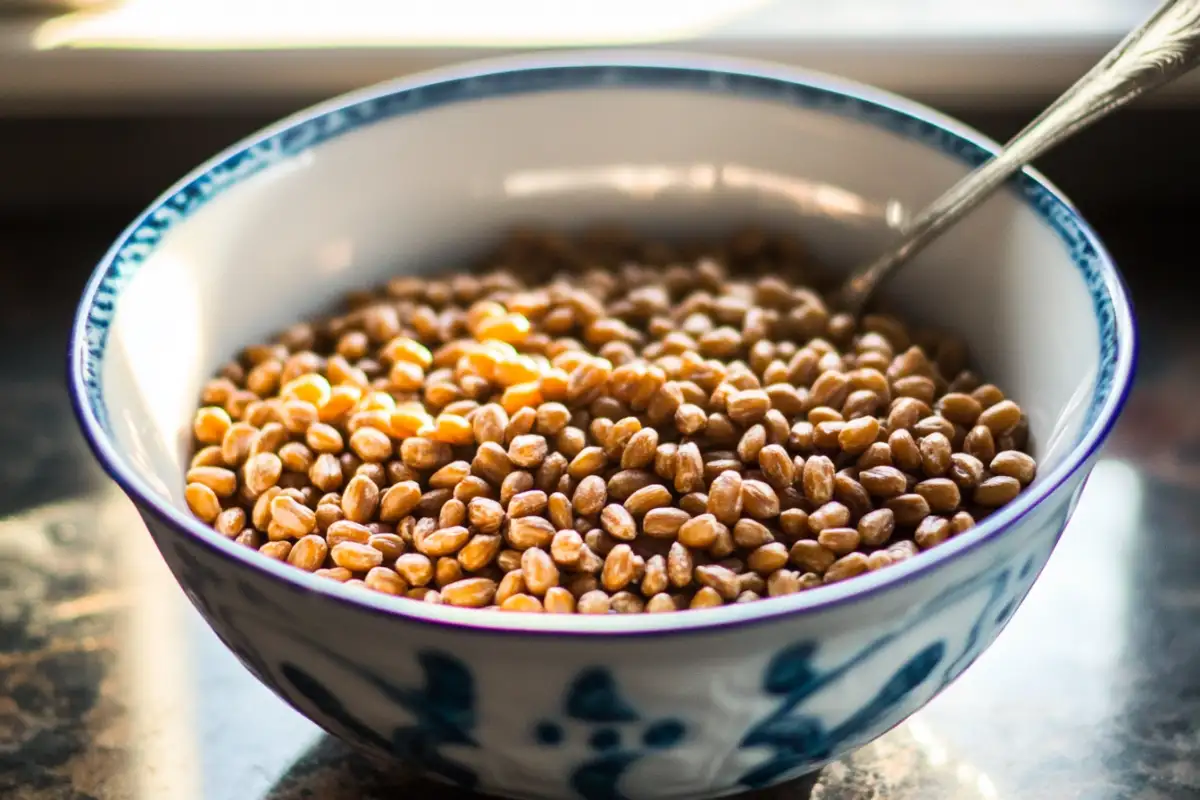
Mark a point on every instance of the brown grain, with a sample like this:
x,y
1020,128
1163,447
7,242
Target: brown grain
x,y
582,429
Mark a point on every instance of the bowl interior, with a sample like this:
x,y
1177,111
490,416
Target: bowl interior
x,y
344,200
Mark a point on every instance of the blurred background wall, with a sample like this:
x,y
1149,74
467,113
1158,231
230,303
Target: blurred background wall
x,y
103,104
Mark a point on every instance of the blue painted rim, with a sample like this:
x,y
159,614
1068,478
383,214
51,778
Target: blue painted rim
x,y
582,71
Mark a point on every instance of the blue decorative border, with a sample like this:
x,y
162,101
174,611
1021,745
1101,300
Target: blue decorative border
x,y
528,75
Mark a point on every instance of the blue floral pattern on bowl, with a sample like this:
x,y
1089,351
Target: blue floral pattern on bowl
x,y
594,700
443,709
795,734
800,740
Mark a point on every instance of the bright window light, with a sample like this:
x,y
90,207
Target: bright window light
x,y
278,24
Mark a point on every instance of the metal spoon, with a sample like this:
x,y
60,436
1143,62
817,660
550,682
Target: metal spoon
x,y
1161,49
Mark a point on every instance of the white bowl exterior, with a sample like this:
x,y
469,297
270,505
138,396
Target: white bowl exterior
x,y
713,683
286,228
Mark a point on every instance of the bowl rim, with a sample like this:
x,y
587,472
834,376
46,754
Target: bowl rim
x,y
575,70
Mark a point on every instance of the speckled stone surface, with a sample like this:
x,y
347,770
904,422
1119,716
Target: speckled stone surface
x,y
111,686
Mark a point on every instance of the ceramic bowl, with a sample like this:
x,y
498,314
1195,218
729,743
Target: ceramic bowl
x,y
420,171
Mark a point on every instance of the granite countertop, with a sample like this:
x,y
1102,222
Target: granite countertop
x,y
112,687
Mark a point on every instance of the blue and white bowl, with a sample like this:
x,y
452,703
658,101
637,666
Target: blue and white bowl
x,y
411,175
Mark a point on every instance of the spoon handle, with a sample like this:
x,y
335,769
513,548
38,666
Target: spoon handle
x,y
1164,47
